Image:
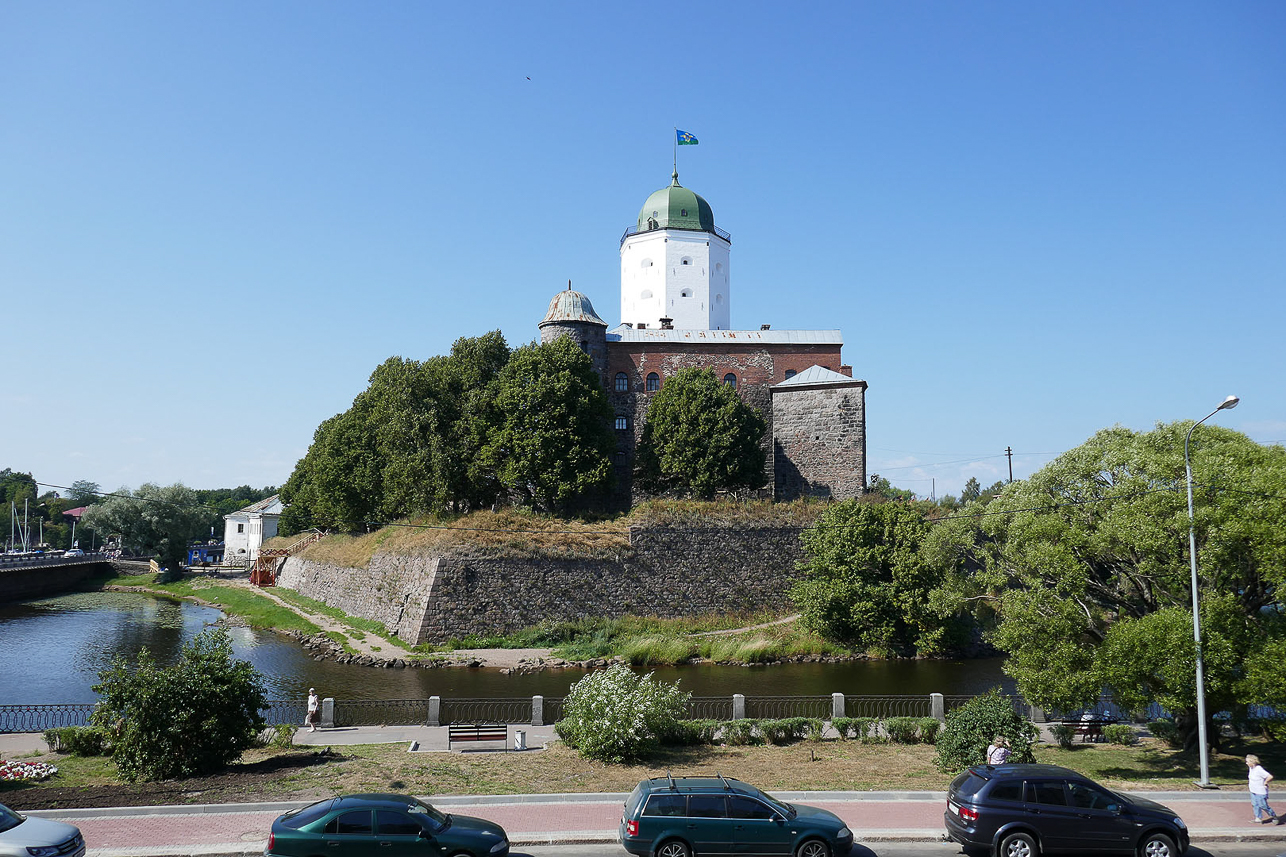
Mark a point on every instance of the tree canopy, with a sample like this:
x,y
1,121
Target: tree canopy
x,y
550,444
155,519
700,437
1082,571
866,582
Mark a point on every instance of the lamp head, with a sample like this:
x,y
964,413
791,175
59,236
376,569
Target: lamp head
x,y
1228,403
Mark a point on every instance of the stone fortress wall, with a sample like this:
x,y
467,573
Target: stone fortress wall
x,y
667,573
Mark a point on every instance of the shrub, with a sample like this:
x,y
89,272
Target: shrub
x,y
1166,731
79,741
777,731
616,716
814,728
740,732
185,720
689,733
844,727
929,727
902,730
971,727
282,735
1120,733
1063,733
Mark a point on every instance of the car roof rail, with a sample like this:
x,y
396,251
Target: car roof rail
x,y
725,782
670,777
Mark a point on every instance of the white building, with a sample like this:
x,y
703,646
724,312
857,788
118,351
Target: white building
x,y
674,264
244,531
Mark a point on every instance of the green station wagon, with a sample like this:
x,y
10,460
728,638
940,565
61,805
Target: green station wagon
x,y
393,825
683,816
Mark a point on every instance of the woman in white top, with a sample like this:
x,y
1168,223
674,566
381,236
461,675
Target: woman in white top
x,y
1259,780
314,709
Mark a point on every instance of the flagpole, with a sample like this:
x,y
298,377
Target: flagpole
x,y
675,142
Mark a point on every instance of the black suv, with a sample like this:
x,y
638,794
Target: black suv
x,y
682,816
1022,810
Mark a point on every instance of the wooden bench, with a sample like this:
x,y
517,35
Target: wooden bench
x,y
459,732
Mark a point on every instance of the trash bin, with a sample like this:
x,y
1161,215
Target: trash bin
x,y
520,739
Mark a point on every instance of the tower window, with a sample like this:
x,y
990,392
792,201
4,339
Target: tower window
x,y
731,380
653,382
622,382
790,373
718,299
683,212
622,423
646,294
687,293
584,346
687,260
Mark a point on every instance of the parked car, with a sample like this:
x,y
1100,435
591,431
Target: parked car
x,y
381,823
1026,810
24,836
682,816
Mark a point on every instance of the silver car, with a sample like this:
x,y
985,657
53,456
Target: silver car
x,y
22,836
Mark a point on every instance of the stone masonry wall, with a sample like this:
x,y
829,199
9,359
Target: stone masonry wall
x,y
669,573
17,584
819,440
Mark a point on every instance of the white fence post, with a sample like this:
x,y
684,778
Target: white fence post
x,y
738,706
938,707
837,705
435,711
328,713
538,711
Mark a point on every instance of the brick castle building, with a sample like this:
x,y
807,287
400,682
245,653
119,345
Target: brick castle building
x,y
676,311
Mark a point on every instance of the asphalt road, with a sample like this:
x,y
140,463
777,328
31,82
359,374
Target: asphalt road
x,y
912,849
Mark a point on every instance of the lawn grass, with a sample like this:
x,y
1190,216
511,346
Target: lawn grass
x,y
257,611
806,766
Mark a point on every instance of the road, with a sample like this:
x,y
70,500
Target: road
x,y
912,849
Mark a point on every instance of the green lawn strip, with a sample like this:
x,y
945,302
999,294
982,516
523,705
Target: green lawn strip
x,y
256,610
826,765
312,605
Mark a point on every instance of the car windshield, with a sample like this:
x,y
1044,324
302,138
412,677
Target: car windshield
x,y
437,817
783,807
9,819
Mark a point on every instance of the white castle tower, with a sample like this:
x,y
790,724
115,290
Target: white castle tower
x,y
674,264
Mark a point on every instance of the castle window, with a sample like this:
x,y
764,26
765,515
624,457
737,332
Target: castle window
x,y
790,373
686,261
718,299
731,380
584,346
687,293
645,295
646,263
622,382
683,212
622,423
653,382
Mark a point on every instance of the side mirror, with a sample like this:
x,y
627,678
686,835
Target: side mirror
x,y
1114,808
779,818
424,834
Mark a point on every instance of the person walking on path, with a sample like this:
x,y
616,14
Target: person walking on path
x,y
1259,780
314,709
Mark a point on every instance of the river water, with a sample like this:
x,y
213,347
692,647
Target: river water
x,y
52,650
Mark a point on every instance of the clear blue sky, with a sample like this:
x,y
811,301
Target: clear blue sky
x,y
1030,220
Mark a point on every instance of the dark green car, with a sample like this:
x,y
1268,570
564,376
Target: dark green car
x,y
388,825
683,816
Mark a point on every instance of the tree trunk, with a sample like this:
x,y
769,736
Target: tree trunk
x,y
1185,722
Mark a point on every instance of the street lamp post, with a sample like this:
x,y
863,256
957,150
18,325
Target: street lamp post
x,y
1204,782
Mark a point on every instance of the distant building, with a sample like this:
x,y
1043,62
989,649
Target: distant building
x,y
207,554
245,530
676,313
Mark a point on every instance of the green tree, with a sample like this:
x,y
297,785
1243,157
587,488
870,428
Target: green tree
x,y
866,583
971,727
551,444
700,437
882,489
185,720
84,492
16,487
156,519
1082,570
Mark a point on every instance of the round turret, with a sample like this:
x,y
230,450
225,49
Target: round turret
x,y
571,314
571,306
676,207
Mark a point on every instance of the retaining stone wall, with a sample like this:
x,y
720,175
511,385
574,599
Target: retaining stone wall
x,y
668,573
17,584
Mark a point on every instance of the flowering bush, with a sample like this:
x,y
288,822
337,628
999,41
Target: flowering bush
x,y
617,716
15,771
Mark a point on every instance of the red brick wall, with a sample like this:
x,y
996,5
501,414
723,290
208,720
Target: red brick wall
x,y
754,365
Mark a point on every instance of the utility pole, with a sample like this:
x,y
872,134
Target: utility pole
x,y
1009,453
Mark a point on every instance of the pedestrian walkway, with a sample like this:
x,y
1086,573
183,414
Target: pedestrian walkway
x,y
242,829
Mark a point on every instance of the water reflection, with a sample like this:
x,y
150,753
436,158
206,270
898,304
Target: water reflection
x,y
54,649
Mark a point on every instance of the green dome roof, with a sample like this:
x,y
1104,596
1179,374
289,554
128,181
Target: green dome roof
x,y
676,207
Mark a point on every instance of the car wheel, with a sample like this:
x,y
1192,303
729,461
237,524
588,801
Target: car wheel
x,y
1157,845
674,848
1018,845
813,848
